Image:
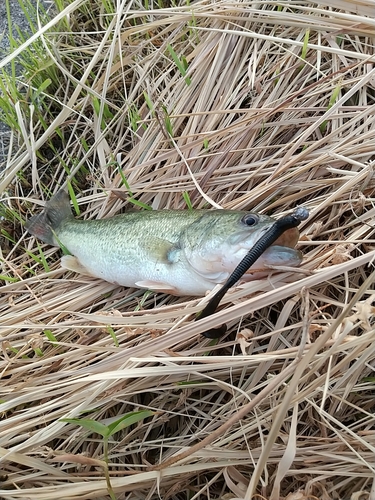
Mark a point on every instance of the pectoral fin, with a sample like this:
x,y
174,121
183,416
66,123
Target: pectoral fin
x,y
157,286
161,250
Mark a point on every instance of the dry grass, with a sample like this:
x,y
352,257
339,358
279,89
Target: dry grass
x,y
276,109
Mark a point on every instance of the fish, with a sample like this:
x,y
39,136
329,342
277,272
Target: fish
x,y
179,252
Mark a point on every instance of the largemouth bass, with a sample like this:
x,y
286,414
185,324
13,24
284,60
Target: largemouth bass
x,y
181,252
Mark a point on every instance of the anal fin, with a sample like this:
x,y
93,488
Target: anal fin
x,y
71,263
157,286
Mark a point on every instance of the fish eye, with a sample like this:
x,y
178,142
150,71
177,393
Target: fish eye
x,y
250,219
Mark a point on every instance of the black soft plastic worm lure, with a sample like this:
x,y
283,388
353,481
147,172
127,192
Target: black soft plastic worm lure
x,y
274,232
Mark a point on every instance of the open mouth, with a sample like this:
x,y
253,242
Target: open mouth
x,y
288,239
281,252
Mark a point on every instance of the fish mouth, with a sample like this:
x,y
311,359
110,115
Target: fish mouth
x,y
281,252
288,239
277,255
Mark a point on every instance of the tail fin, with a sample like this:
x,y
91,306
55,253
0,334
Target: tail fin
x,y
45,224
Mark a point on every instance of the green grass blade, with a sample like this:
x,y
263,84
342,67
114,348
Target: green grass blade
x,y
128,419
180,63
90,425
